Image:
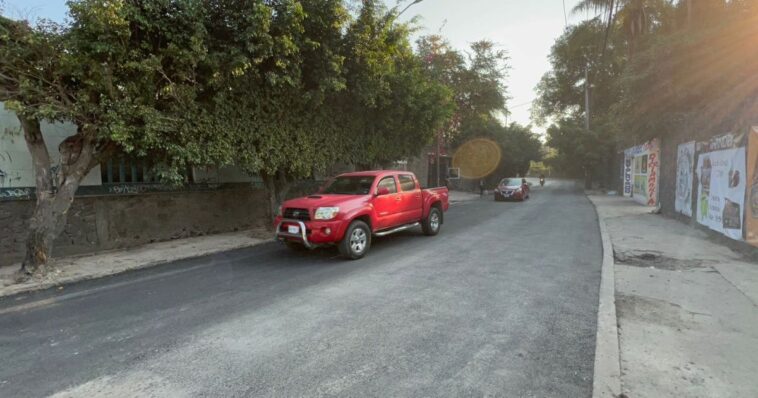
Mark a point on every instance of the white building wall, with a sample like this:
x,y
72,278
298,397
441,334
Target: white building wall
x,y
15,162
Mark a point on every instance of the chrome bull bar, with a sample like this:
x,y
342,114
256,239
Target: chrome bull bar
x,y
303,235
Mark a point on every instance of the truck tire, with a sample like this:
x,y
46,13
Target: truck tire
x,y
357,240
431,225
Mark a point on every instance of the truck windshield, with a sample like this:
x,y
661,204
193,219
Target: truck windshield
x,y
353,185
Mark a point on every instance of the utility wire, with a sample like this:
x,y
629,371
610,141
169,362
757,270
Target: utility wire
x,y
521,104
565,18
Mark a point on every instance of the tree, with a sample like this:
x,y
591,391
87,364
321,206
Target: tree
x,y
123,73
577,63
281,88
577,149
476,81
634,17
275,69
394,106
324,88
696,74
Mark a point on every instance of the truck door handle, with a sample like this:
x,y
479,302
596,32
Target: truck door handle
x,y
397,199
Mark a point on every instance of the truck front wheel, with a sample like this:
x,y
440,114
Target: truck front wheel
x,y
357,240
431,225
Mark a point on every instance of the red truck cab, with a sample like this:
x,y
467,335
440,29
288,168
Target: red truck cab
x,y
354,207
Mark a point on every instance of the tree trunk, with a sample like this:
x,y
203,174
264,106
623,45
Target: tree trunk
x,y
276,187
54,193
273,204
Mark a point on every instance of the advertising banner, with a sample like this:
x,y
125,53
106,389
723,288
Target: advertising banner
x,y
721,190
751,213
685,167
628,176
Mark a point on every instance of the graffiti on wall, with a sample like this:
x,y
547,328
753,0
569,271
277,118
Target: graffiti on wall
x,y
685,167
652,178
627,175
133,189
641,169
721,180
5,158
16,193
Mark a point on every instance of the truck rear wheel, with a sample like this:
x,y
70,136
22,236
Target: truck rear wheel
x,y
357,240
431,225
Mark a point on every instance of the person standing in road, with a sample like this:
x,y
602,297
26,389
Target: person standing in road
x,y
481,187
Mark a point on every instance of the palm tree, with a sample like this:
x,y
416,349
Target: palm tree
x,y
634,16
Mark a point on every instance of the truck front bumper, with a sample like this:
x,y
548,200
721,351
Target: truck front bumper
x,y
311,234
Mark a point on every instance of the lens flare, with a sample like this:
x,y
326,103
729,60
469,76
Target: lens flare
x,y
477,158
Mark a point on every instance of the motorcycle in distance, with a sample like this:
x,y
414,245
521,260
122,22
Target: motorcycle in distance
x,y
542,180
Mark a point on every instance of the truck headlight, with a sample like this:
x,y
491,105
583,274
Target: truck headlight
x,y
326,213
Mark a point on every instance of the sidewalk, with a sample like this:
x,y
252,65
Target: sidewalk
x,y
687,308
91,266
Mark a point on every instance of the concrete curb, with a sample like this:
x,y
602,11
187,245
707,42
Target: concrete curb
x,y
607,376
36,285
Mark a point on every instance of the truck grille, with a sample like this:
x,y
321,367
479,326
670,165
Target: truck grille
x,y
297,214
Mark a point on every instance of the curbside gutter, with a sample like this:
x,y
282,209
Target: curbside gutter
x,y
109,263
607,376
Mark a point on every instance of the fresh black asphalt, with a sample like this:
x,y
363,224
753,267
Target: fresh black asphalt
x,y
502,303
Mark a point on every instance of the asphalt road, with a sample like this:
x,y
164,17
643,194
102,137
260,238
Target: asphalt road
x,y
502,303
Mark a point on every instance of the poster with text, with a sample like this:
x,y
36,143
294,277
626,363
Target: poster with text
x,y
628,175
721,190
751,213
685,167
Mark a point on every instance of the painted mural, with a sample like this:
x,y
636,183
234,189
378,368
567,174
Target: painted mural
x,y
641,169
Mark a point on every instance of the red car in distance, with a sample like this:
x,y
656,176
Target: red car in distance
x,y
512,189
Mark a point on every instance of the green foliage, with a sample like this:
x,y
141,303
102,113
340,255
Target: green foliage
x,y
475,79
578,151
391,107
561,91
479,94
277,87
123,72
562,97
696,74
684,68
520,148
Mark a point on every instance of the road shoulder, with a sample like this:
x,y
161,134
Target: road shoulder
x,y
685,305
607,375
92,266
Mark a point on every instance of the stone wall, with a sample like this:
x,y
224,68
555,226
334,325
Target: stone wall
x,y
110,222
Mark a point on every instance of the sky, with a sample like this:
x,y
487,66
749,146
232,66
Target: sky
x,y
526,29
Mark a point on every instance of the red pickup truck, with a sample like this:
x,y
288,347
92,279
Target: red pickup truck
x,y
353,207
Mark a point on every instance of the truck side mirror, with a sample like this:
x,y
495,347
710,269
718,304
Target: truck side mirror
x,y
382,191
